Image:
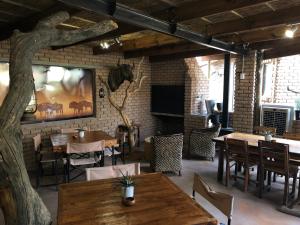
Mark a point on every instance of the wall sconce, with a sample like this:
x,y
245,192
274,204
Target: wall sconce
x,y
101,93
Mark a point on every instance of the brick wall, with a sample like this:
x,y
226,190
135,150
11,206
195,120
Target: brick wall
x,y
287,73
244,94
107,118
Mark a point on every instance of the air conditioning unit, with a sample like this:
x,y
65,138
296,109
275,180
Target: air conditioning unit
x,y
278,116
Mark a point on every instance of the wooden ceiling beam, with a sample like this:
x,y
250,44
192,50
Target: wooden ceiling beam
x,y
162,50
197,9
282,51
184,11
262,20
186,54
274,43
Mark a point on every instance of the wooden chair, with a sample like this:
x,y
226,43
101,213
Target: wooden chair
x,y
222,201
274,157
44,156
292,136
261,130
112,171
83,154
237,153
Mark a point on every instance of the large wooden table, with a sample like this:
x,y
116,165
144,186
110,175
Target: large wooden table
x,y
158,201
59,141
294,149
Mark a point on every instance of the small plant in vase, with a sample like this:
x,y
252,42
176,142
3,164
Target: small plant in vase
x,y
81,132
297,108
268,136
127,185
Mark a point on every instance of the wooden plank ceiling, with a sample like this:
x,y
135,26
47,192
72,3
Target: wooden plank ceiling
x,y
258,23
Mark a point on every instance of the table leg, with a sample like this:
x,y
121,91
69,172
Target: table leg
x,y
221,164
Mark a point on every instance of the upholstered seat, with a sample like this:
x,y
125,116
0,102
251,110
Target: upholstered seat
x,y
201,144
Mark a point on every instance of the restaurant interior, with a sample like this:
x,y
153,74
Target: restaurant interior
x,y
149,112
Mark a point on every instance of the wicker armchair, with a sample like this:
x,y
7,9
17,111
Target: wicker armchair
x,y
167,153
201,144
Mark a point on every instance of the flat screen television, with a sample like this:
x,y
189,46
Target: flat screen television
x,y
167,99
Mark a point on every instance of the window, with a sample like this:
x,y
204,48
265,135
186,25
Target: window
x,y
213,71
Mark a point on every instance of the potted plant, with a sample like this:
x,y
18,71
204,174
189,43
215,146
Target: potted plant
x,y
81,132
297,108
127,184
268,136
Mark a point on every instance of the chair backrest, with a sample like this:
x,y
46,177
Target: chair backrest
x,y
107,172
85,147
292,136
37,141
262,130
237,149
170,143
274,155
222,201
68,130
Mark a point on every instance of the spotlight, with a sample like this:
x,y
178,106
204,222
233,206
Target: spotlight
x,y
290,32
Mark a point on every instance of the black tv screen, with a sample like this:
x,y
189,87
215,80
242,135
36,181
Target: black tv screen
x,y
167,99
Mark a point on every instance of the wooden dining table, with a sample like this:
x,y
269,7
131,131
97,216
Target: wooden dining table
x,y
294,153
157,201
59,141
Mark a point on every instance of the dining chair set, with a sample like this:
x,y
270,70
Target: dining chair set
x,y
272,158
76,157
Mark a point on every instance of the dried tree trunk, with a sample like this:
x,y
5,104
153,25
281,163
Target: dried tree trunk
x,y
30,209
132,88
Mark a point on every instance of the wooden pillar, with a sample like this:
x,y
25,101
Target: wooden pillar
x,y
225,114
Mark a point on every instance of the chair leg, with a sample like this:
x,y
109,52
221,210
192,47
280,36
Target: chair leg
x,y
274,177
235,172
179,172
269,178
229,221
261,181
286,190
246,181
227,173
55,171
193,194
294,183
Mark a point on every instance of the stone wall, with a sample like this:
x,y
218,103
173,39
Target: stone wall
x,y
107,118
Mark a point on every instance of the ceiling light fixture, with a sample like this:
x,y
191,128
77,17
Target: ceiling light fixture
x,y
106,44
290,31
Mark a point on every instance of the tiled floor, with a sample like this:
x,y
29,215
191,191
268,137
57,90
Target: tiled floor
x,y
248,209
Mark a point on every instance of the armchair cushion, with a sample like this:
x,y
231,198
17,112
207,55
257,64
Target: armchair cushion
x,y
201,143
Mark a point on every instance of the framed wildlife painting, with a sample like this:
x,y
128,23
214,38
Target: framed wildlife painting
x,y
61,92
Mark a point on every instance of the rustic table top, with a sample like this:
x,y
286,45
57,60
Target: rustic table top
x,y
59,141
158,201
294,146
